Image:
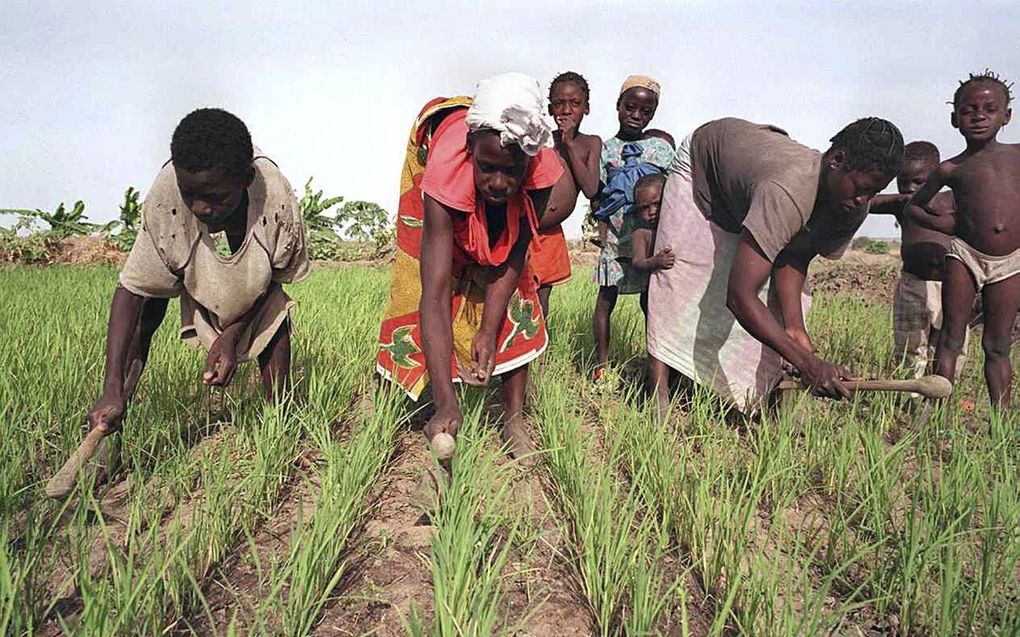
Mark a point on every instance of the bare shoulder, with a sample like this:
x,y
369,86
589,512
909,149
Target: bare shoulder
x,y
948,168
593,142
642,235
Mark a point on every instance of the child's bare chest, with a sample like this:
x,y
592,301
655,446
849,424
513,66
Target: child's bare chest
x,y
989,177
986,188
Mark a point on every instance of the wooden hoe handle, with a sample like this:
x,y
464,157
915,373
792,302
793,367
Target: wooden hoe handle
x,y
928,386
63,481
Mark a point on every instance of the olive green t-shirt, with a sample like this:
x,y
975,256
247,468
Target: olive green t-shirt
x,y
753,176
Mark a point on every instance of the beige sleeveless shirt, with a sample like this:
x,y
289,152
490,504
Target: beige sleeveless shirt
x,y
175,255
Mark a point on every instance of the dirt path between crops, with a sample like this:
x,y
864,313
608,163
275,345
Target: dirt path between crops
x,y
388,566
541,594
236,587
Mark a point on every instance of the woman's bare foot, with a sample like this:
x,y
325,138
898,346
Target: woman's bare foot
x,y
515,437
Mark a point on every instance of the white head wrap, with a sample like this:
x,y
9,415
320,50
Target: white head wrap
x,y
513,105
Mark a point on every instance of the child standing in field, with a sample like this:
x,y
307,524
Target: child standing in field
x,y
917,303
614,273
984,256
580,154
647,202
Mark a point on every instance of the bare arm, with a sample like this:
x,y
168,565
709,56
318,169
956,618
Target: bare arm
x,y
133,321
125,312
641,248
221,361
641,258
497,297
919,208
583,161
436,324
751,268
500,289
554,205
888,204
788,275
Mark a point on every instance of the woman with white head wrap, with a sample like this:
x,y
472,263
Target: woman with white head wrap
x,y
513,106
478,174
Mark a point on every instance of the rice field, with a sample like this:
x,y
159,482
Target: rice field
x,y
320,517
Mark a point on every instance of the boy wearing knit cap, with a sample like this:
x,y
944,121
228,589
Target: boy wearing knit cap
x,y
635,107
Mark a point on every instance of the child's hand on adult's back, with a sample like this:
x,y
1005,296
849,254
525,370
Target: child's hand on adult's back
x,y
665,259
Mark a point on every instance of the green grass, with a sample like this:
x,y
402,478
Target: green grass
x,y
828,519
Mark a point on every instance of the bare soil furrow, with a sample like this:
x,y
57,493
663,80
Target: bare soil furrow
x,y
388,573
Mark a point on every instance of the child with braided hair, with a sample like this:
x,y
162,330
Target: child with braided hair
x,y
984,255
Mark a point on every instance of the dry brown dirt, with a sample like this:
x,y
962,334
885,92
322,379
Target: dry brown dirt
x,y
871,276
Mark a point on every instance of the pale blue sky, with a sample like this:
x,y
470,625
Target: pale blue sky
x,y
93,90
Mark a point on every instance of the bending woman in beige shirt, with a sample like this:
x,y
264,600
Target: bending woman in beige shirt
x,y
233,306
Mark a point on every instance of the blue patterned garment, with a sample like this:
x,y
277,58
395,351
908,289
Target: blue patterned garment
x,y
613,267
618,190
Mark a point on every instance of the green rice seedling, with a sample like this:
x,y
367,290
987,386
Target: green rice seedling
x,y
911,504
315,563
916,529
617,546
648,455
239,484
20,567
476,526
854,332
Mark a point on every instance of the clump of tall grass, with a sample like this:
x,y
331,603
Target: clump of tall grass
x,y
315,562
477,523
797,524
619,545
